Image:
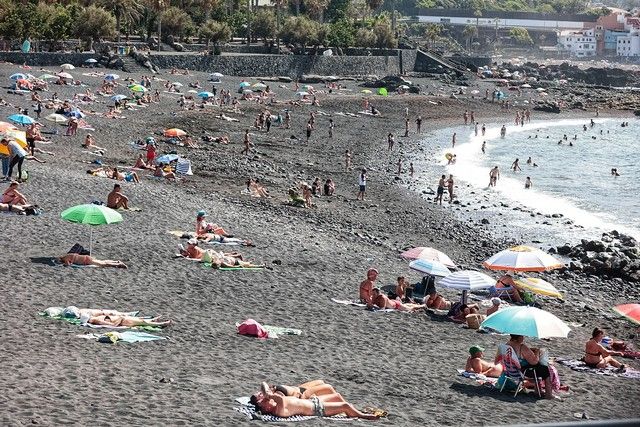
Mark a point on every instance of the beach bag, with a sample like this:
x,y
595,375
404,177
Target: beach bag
x,y
252,328
509,386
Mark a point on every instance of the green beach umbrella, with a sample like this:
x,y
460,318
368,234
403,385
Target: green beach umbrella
x,y
137,88
382,91
91,214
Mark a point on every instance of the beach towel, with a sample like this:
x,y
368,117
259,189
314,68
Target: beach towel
x,y
252,328
126,336
372,309
348,302
479,378
250,412
76,321
580,366
131,209
274,331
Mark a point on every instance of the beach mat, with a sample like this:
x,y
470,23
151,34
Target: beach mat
x,y
610,371
131,209
129,337
348,302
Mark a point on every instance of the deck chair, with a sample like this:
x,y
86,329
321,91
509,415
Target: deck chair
x,y
513,375
183,167
501,292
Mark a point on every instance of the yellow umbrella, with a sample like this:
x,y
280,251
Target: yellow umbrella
x,y
538,286
18,135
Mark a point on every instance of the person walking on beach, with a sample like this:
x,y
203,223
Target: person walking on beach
x,y
516,165
440,190
399,165
475,128
484,145
494,175
287,119
472,117
419,124
347,160
247,143
527,183
503,131
465,116
391,141
309,129
411,169
484,129
406,127
331,126
453,140
362,183
450,184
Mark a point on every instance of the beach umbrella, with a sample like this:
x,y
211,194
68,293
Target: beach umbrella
x,y
630,311
206,95
247,91
526,321
91,61
192,91
428,254
137,88
56,118
4,126
65,75
526,86
307,87
382,91
538,286
47,77
245,84
111,77
405,87
67,67
18,76
467,280
77,114
301,93
367,91
174,132
522,258
21,119
91,214
177,84
167,158
433,268
119,97
218,75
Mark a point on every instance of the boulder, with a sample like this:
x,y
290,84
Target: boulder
x,y
564,249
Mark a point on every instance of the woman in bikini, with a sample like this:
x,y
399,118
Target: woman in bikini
x,y
306,390
128,321
77,259
596,356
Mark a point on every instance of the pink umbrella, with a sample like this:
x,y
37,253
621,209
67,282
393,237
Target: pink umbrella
x,y
630,311
428,254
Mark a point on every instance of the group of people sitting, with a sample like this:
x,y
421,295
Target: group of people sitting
x,y
314,398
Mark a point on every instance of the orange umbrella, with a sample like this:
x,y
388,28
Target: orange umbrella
x,y
174,133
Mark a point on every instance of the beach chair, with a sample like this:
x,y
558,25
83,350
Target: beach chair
x,y
183,167
501,292
513,375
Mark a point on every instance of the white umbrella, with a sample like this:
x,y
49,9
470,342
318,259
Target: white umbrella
x,y
65,75
177,84
56,118
522,258
91,61
217,75
67,67
468,280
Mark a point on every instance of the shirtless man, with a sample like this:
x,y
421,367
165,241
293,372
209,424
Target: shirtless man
x,y
479,366
494,175
217,259
347,160
440,191
367,286
484,146
246,142
382,301
287,406
450,185
117,200
516,165
124,320
453,140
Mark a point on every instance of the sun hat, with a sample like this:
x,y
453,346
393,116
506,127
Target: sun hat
x,y
192,242
202,213
496,301
475,349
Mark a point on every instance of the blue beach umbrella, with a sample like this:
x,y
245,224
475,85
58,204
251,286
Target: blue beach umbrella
x,y
76,113
18,76
119,97
526,321
206,95
434,268
21,119
245,84
111,77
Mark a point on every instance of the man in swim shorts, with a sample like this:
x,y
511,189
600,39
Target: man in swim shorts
x,y
117,200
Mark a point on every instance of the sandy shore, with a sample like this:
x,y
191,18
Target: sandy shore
x,y
404,363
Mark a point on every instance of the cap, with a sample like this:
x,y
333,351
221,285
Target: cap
x,y
496,301
475,349
202,213
192,242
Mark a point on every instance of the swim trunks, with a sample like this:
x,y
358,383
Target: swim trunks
x,y
440,190
318,407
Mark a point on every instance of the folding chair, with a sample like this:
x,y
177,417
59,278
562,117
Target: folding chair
x,y
512,372
183,167
501,292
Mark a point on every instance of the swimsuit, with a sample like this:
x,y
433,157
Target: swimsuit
x,y
318,407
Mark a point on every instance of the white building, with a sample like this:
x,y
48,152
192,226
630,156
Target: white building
x,y
628,45
578,43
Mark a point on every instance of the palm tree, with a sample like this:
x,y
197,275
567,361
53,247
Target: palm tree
x,y
469,33
124,10
158,6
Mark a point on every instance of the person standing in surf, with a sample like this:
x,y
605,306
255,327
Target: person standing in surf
x,y
527,183
484,145
503,131
440,192
494,175
453,140
516,165
450,184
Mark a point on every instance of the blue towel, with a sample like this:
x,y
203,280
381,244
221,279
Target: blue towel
x,y
134,336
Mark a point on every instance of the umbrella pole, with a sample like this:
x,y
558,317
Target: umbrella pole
x,y
90,239
464,297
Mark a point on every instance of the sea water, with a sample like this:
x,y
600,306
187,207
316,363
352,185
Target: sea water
x,y
571,184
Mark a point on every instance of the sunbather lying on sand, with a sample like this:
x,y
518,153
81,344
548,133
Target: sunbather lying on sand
x,y
217,259
479,366
20,210
77,259
437,302
287,406
380,300
130,321
304,391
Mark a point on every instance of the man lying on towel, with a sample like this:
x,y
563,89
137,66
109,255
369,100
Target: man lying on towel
x,y
380,300
78,259
271,403
128,321
217,259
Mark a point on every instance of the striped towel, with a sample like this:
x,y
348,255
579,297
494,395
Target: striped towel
x,y
251,414
184,167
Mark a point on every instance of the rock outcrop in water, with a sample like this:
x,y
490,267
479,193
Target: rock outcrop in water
x,y
614,255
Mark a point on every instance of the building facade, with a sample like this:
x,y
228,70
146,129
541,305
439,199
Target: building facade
x,y
578,43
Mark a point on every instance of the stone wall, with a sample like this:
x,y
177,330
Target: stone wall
x,y
47,58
